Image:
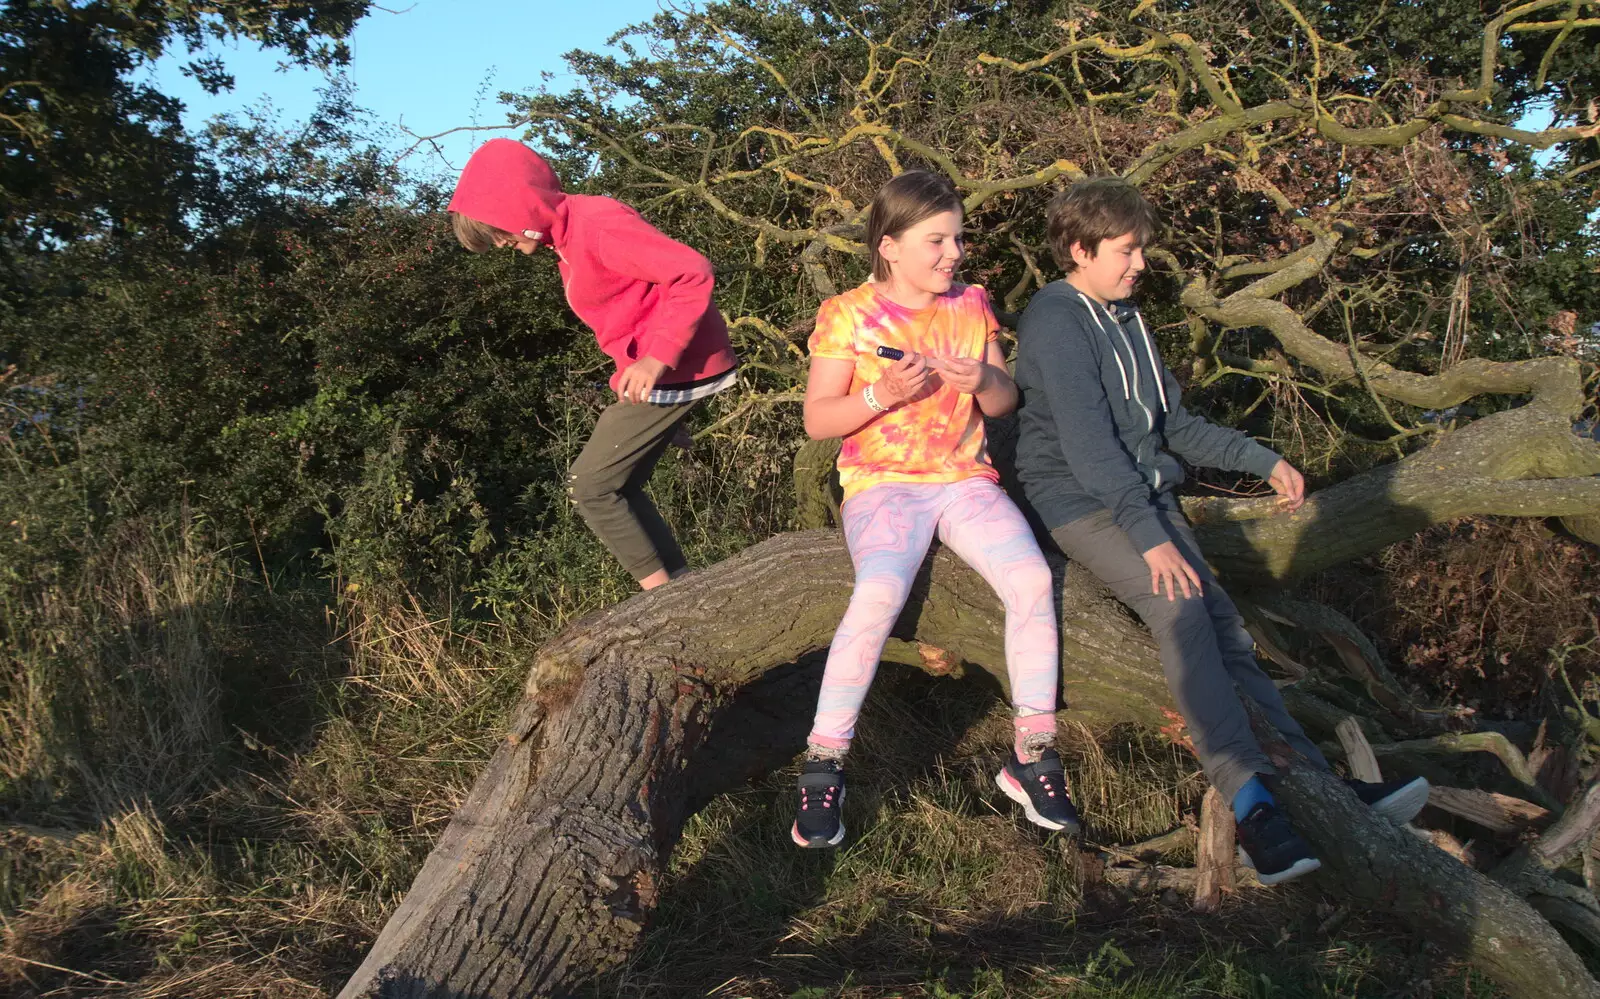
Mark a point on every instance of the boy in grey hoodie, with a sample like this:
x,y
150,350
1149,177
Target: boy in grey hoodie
x,y
1099,414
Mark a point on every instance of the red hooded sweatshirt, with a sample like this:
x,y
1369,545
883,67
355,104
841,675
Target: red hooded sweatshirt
x,y
643,294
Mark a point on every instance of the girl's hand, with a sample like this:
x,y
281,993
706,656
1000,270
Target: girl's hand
x,y
901,383
964,374
1290,486
639,379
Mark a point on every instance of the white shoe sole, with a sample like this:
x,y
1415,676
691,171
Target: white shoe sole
x,y
838,837
1299,868
1403,805
1008,785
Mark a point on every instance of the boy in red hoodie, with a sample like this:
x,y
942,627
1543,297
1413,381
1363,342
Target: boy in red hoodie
x,y
648,300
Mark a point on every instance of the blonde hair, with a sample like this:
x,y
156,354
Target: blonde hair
x,y
478,237
902,203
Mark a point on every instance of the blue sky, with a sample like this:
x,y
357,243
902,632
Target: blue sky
x,y
435,65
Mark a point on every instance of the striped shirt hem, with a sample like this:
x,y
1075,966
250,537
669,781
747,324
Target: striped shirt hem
x,y
671,395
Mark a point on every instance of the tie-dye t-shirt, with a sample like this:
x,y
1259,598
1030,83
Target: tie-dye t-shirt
x,y
935,437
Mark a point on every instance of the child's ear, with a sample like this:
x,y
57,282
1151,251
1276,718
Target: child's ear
x,y
1080,256
885,245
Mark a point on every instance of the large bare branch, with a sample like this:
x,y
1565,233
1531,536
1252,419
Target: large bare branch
x,y
1556,381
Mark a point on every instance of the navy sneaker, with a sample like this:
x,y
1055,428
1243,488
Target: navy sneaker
x,y
1396,800
1041,789
1268,844
820,796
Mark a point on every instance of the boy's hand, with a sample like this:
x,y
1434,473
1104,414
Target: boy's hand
x,y
639,378
964,374
904,379
1290,486
1166,563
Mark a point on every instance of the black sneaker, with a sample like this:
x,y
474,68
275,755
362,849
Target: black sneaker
x,y
1041,789
816,814
1268,844
1396,800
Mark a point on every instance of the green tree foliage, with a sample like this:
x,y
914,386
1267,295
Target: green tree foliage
x,y
293,341
86,150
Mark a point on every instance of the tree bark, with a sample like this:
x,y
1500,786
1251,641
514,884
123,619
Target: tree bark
x,y
1214,854
1524,462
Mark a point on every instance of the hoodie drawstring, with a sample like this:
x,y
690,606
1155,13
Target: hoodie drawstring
x,y
1150,347
1133,356
1118,357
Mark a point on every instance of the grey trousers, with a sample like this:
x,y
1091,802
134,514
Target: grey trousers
x,y
607,484
1205,649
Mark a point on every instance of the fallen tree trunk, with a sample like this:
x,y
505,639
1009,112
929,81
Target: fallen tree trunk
x,y
547,871
1524,462
639,714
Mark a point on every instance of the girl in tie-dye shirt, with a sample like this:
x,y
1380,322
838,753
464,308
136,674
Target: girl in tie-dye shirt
x,y
914,464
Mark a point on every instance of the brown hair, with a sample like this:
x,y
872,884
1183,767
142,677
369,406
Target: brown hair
x,y
1094,210
902,203
479,237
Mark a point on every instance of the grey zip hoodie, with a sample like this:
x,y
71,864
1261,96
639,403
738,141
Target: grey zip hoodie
x,y
1099,412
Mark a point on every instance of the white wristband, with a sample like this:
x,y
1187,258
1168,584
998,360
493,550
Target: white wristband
x,y
872,400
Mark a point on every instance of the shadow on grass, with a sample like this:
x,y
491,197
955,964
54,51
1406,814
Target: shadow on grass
x,y
942,890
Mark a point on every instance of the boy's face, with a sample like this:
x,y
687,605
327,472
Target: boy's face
x,y
522,244
1108,274
925,256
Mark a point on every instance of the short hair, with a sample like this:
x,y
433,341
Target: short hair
x,y
478,237
1091,211
902,203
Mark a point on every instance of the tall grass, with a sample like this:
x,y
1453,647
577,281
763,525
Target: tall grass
x,y
213,789
111,678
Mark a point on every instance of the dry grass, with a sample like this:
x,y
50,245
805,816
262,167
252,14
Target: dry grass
x,y
245,831
210,791
112,689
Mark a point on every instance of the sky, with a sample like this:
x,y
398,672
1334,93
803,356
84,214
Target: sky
x,y
434,65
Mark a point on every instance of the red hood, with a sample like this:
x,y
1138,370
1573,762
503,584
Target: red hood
x,y
511,187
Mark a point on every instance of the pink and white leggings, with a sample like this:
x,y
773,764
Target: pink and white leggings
x,y
888,529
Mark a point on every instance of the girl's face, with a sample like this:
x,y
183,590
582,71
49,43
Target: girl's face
x,y
924,257
1110,273
522,244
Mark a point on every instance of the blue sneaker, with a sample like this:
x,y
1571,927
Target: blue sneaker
x,y
1270,845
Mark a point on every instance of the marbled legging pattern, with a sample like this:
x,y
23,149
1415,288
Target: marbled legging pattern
x,y
888,528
